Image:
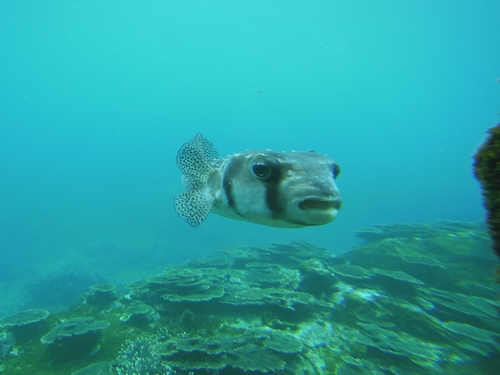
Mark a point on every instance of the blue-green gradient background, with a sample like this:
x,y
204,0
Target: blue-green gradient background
x,y
96,97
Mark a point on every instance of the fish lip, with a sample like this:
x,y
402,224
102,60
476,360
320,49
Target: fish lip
x,y
321,204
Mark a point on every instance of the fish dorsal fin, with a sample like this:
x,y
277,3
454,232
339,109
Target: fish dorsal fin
x,y
194,157
194,160
202,145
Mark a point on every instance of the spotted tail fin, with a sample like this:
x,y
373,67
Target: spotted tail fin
x,y
194,160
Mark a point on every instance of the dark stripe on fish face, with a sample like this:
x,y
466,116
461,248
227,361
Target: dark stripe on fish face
x,y
230,171
239,166
273,185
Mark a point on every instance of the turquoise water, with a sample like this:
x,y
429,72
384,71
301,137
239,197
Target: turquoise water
x,y
97,97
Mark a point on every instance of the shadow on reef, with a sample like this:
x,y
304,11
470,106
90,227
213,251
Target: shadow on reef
x,y
61,288
413,299
487,171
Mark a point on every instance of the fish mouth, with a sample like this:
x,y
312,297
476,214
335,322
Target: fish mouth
x,y
320,204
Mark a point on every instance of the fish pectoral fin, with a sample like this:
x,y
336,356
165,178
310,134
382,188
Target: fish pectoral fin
x,y
194,205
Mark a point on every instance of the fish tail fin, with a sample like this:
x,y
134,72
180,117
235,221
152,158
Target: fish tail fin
x,y
194,160
194,206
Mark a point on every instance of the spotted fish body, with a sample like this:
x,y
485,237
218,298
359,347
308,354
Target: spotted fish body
x,y
279,189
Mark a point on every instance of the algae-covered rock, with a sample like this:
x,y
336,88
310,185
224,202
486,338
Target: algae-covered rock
x,y
487,171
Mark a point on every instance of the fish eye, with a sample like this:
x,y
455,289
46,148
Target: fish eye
x,y
335,170
261,170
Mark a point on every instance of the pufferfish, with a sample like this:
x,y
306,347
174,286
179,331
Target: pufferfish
x,y
278,189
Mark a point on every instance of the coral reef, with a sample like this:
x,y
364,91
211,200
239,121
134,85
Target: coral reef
x,y
74,338
139,314
413,299
24,318
101,294
487,171
249,349
415,230
25,324
73,327
141,357
98,368
6,345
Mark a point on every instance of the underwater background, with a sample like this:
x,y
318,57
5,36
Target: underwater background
x,y
97,97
